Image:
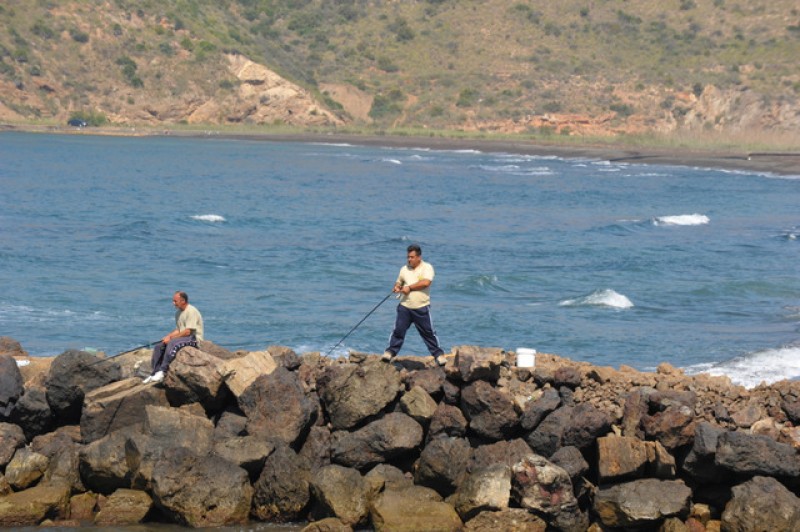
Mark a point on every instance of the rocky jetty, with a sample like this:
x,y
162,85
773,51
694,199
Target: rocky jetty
x,y
355,443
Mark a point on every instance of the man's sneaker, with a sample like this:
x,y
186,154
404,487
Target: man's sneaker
x,y
387,356
157,377
148,380
441,360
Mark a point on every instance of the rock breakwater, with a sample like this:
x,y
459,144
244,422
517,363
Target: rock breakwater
x,y
236,437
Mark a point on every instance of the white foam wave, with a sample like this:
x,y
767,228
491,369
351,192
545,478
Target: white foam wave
x,y
768,366
682,219
213,218
600,298
393,161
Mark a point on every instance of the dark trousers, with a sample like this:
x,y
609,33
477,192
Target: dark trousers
x,y
421,318
164,354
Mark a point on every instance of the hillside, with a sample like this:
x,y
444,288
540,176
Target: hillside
x,y
580,67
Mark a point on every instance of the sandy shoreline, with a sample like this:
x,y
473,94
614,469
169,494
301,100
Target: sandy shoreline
x,y
779,163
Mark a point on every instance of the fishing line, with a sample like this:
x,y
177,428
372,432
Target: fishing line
x,y
360,322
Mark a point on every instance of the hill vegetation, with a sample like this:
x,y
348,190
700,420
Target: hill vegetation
x,y
589,67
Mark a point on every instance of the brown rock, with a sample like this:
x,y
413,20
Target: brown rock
x,y
31,506
124,507
239,373
510,520
412,510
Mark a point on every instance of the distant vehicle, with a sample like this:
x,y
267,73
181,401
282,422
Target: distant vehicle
x,y
76,122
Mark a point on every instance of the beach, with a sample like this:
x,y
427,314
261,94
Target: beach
x,y
778,162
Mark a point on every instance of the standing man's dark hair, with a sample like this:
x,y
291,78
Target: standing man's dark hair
x,y
414,283
183,296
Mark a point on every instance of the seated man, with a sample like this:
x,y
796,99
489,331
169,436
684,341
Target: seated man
x,y
188,330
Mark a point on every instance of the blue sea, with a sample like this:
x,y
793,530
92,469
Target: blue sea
x,y
294,243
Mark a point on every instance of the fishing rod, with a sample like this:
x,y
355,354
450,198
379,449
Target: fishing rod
x,y
360,322
151,344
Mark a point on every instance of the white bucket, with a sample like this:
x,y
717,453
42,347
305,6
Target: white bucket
x,y
526,358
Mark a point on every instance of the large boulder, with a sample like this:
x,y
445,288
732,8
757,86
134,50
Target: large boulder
x,y
750,455
478,363
502,452
411,510
642,503
240,373
447,420
118,405
277,408
11,438
201,493
623,457
165,430
762,503
72,375
419,405
699,464
490,411
672,422
443,464
541,486
194,377
32,412
484,489
11,385
124,507
354,393
26,468
32,506
9,346
340,492
510,520
103,464
389,437
577,426
535,411
281,492
317,447
248,452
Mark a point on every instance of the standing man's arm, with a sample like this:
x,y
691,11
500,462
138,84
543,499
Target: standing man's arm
x,y
422,284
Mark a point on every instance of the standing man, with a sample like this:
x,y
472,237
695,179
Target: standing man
x,y
188,329
414,283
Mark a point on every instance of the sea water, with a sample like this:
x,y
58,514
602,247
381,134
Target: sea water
x,y
294,243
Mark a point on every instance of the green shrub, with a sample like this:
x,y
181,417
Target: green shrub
x,y
622,109
386,64
78,35
90,117
385,105
467,98
40,29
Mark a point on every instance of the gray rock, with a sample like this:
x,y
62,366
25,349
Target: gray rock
x,y
419,405
30,507
103,464
748,454
510,520
25,469
642,503
201,493
571,460
118,405
124,507
232,422
166,430
11,385
478,363
412,510
577,426
194,377
282,491
317,447
447,420
484,489
285,356
277,408
699,463
536,411
340,492
429,379
384,477
11,438
491,412
247,452
389,437
502,452
443,464
762,503
541,486
353,393
32,412
72,375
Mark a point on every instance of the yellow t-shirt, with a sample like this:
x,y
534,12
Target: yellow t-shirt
x,y
416,298
190,318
